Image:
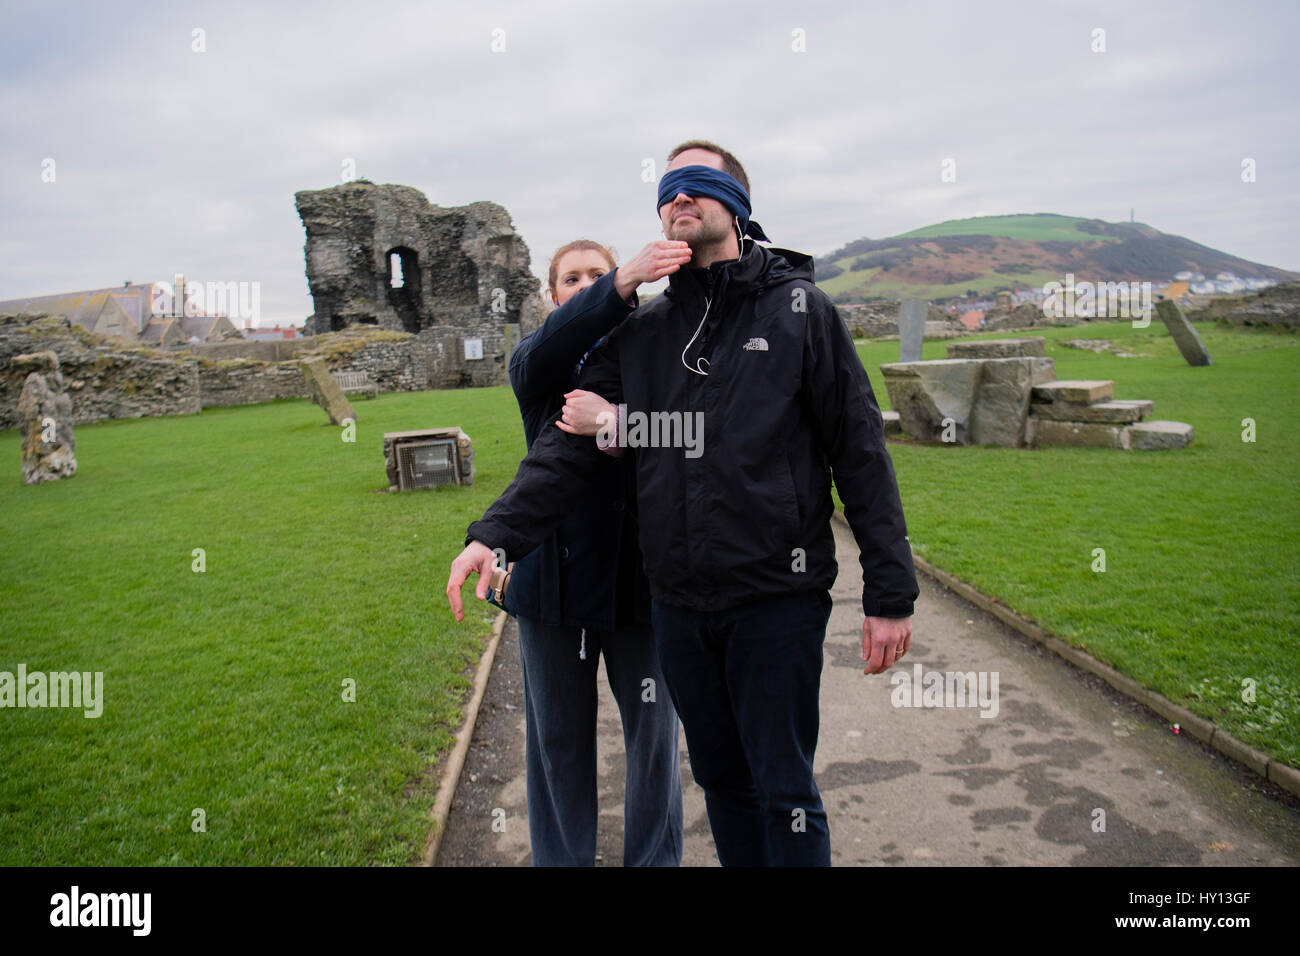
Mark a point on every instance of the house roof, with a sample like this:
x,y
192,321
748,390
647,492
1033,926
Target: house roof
x,y
133,301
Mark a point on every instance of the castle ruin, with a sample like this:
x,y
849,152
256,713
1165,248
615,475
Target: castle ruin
x,y
457,278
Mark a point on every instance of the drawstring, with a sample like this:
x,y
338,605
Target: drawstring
x,y
582,651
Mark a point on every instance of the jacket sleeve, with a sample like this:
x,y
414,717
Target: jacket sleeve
x,y
542,363
844,409
558,471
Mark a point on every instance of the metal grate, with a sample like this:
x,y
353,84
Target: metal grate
x,y
426,464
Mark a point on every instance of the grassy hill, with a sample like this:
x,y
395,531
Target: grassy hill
x,y
989,253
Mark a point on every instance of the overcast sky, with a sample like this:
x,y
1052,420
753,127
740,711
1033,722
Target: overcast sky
x,y
169,160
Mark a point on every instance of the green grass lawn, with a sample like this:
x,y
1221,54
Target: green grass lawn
x,y
223,690
1201,591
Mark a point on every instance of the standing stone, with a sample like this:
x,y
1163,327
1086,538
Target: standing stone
x,y
324,390
911,329
1188,342
45,415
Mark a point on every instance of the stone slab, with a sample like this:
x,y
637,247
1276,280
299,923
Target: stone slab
x,y
324,390
1121,412
1159,435
1033,345
893,423
1052,434
1083,392
911,329
1185,335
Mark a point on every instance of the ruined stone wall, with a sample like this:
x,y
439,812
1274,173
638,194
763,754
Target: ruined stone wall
x,y
444,352
464,274
395,366
103,380
876,319
1277,305
247,382
109,381
276,350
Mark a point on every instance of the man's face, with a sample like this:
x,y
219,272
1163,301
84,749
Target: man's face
x,y
696,220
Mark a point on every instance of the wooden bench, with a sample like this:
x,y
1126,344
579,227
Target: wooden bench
x,y
352,382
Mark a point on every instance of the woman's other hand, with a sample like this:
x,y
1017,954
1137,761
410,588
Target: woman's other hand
x,y
585,413
658,259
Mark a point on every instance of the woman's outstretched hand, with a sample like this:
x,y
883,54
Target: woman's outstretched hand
x,y
658,259
585,413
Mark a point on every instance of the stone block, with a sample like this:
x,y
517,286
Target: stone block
x,y
1081,392
1034,345
1117,412
1144,405
925,394
1159,435
892,423
1185,336
1002,399
1048,434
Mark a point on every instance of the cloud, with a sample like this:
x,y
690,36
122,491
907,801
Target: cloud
x,y
171,160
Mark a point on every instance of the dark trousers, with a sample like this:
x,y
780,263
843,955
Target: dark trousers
x,y
745,683
560,752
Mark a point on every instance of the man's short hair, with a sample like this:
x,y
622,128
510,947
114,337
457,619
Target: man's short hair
x,y
730,164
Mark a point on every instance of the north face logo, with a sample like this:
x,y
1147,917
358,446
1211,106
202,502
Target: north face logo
x,y
755,345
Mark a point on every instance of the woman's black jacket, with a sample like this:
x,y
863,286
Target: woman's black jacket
x,y
587,574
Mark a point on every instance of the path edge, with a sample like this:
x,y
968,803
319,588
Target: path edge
x,y
456,762
1274,770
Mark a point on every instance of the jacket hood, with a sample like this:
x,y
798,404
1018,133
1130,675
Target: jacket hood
x,y
759,268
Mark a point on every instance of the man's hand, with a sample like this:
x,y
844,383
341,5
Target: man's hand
x,y
884,641
478,559
658,259
585,413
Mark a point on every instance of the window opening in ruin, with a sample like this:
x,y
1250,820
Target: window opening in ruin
x,y
404,286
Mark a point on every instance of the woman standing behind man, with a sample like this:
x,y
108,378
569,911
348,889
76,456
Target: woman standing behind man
x,y
583,593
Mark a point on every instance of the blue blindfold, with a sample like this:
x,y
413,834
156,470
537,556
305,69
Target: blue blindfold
x,y
714,183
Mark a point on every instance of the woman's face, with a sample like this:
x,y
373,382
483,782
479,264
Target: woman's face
x,y
578,269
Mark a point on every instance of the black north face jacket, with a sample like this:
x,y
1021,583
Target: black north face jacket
x,y
784,404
